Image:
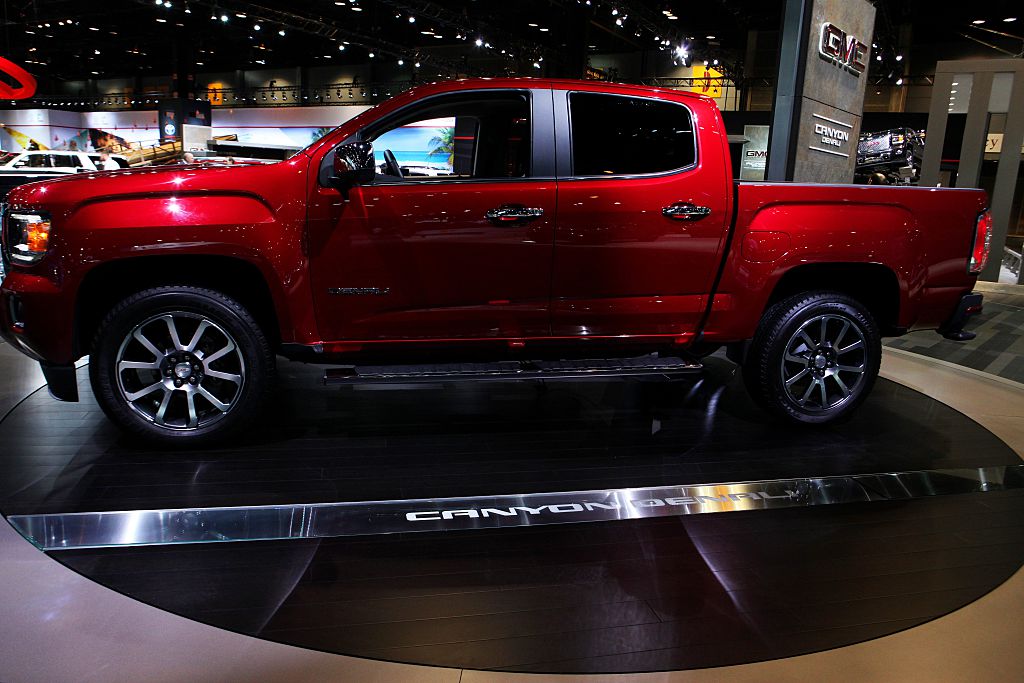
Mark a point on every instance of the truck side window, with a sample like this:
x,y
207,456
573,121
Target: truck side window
x,y
485,135
620,135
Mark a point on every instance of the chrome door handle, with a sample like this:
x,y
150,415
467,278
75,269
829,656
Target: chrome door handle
x,y
685,211
513,213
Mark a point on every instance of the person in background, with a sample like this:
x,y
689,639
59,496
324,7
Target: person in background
x,y
188,158
106,163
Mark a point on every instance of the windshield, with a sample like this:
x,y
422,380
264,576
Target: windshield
x,y
7,157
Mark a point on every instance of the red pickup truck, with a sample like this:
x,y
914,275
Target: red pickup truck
x,y
478,230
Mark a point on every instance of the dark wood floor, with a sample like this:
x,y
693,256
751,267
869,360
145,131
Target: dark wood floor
x,y
621,596
643,595
322,444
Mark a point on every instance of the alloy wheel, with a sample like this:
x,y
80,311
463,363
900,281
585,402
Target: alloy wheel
x,y
180,370
824,363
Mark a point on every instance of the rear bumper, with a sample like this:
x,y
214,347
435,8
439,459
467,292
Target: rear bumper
x,y
969,305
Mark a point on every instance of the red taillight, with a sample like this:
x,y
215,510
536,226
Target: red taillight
x,y
982,243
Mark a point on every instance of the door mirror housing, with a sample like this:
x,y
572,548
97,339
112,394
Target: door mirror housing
x,y
353,165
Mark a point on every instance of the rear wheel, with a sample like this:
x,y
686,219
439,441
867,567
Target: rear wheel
x,y
181,366
814,358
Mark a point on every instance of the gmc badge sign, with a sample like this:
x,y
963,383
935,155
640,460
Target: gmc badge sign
x,y
843,50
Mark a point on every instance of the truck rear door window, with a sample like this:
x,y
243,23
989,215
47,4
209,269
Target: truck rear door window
x,y
615,135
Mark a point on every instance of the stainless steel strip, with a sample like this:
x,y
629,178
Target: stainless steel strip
x,y
322,520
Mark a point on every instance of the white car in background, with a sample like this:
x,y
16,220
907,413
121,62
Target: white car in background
x,y
53,161
18,168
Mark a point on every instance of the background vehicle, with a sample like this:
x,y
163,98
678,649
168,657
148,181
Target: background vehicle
x,y
584,229
18,168
889,151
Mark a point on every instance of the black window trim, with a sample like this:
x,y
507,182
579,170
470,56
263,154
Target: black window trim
x,y
563,125
542,138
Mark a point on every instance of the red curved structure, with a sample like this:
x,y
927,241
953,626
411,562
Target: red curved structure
x,y
26,87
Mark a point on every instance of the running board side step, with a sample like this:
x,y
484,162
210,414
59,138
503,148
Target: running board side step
x,y
511,370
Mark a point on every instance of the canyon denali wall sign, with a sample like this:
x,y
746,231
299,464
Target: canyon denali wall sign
x,y
835,54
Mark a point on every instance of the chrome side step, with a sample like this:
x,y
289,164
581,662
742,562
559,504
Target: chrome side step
x,y
511,370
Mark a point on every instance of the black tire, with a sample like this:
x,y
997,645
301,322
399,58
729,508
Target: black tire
x,y
819,376
188,397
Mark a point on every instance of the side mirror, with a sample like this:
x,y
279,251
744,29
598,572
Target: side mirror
x,y
353,165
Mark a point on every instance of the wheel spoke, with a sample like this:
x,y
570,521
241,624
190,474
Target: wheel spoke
x,y
142,339
237,379
193,419
824,392
218,354
172,329
807,339
810,388
842,333
217,403
136,395
161,412
852,347
792,358
842,385
797,376
203,326
137,365
824,331
859,369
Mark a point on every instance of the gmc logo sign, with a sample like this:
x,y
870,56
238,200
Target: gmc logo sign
x,y
843,50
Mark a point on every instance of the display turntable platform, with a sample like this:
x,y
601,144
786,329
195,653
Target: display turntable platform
x,y
706,534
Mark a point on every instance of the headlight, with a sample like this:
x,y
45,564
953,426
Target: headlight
x,y
28,235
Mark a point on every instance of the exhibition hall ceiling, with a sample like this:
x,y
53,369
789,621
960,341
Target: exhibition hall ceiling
x,y
68,39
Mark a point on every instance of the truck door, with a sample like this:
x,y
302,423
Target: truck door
x,y
454,238
643,205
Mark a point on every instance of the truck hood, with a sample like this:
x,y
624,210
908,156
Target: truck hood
x,y
66,193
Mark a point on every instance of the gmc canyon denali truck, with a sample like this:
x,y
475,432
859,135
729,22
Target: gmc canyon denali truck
x,y
565,229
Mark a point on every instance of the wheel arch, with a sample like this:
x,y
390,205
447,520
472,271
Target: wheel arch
x,y
104,286
874,285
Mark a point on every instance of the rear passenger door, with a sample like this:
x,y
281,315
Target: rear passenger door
x,y
642,214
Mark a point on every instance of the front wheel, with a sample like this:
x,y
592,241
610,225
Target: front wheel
x,y
181,366
814,358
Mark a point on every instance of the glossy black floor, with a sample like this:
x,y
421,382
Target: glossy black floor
x,y
623,596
